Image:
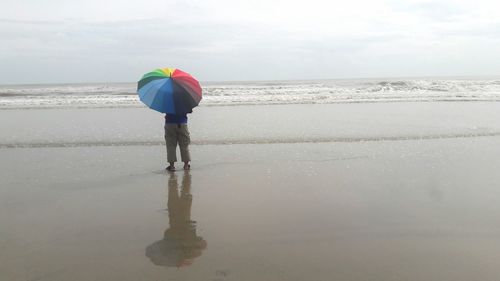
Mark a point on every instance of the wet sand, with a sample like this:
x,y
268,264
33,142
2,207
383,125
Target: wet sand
x,y
371,210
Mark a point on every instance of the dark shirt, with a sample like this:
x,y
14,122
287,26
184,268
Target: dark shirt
x,y
176,119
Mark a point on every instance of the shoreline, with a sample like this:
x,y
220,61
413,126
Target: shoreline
x,y
261,124
338,102
253,142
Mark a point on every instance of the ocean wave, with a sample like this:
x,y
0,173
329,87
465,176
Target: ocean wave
x,y
280,92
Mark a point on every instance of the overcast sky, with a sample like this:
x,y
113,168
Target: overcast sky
x,y
48,41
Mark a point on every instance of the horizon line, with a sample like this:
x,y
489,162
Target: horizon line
x,y
490,76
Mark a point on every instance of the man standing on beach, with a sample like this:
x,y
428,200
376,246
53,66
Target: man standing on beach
x,y
176,132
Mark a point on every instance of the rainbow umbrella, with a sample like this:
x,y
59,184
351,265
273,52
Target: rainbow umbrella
x,y
169,90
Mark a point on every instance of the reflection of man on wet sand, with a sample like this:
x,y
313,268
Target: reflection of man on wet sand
x,y
180,244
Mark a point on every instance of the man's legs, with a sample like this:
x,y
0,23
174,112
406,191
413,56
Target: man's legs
x,y
171,142
184,141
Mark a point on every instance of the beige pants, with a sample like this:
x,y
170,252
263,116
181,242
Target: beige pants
x,y
177,134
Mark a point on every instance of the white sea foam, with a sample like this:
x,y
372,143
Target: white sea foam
x,y
239,93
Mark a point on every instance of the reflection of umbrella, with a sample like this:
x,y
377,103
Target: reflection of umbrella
x,y
175,252
169,90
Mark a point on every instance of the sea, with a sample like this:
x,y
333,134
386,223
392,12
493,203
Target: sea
x,y
91,95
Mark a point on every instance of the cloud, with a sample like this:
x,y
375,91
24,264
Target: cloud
x,y
68,41
436,11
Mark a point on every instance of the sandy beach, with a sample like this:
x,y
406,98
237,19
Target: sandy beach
x,y
385,191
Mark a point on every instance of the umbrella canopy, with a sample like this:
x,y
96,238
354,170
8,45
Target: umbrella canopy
x,y
169,90
176,252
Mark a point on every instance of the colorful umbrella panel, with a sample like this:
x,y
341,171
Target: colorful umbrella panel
x,y
169,90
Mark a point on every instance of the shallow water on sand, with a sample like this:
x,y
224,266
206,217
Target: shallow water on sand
x,y
251,124
390,210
